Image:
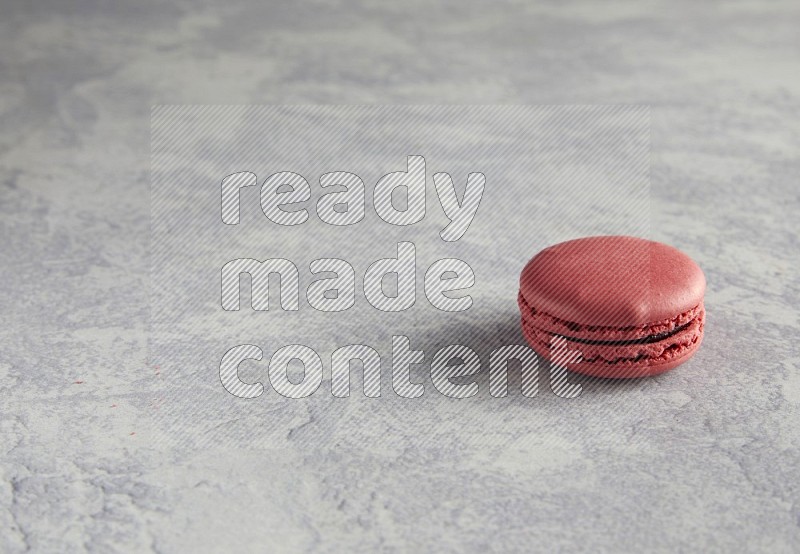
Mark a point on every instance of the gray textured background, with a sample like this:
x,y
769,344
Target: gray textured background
x,y
552,173
704,458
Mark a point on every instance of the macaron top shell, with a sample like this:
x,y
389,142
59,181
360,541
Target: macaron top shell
x,y
614,281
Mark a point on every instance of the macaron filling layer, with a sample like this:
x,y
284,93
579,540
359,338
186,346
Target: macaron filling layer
x,y
652,344
644,340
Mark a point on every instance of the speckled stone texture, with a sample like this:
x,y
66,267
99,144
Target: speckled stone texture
x,y
704,458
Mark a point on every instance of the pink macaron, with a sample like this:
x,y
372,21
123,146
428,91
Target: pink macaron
x,y
630,307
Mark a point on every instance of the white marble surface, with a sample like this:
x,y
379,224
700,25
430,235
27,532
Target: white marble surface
x,y
703,459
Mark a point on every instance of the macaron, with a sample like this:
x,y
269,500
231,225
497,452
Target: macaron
x,y
630,307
